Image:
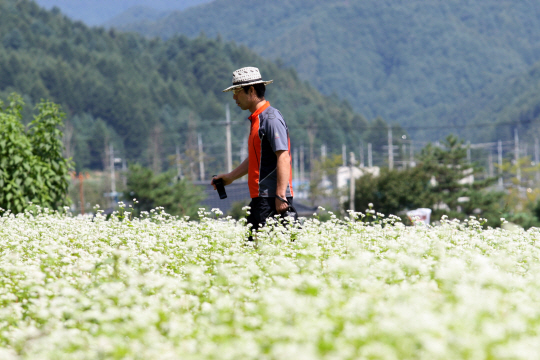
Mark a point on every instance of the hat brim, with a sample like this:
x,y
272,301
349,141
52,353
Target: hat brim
x,y
247,84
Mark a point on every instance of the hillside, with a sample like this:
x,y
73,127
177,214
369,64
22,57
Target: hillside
x,y
513,104
148,96
136,13
414,62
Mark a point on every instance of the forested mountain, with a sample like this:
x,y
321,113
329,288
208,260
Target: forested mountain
x,y
136,13
416,61
509,105
147,96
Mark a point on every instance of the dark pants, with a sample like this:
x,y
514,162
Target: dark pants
x,y
261,209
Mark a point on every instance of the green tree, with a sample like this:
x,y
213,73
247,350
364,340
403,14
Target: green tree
x,y
393,192
32,168
443,181
178,197
117,86
521,204
455,190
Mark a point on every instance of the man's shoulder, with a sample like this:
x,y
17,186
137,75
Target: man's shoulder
x,y
271,113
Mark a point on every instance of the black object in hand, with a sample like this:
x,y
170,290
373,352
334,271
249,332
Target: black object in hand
x,y
220,188
290,212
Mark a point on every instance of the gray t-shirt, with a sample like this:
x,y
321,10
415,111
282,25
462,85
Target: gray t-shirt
x,y
269,133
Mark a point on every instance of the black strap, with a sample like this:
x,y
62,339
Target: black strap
x,y
283,200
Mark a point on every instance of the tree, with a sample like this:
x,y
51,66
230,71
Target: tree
x,y
392,192
455,190
123,82
178,197
32,167
13,39
443,181
522,205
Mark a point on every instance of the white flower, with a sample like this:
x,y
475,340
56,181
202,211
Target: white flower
x,y
158,286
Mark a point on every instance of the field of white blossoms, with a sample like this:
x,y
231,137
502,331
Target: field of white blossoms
x,y
158,287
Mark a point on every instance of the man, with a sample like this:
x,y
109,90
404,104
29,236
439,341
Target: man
x,y
268,165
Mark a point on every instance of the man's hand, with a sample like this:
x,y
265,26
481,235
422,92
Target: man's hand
x,y
281,206
226,179
237,173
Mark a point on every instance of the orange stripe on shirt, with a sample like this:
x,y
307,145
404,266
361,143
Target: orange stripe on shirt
x,y
254,151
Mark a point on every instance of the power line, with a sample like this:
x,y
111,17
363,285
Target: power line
x,y
385,127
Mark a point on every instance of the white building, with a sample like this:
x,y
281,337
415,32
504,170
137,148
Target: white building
x,y
344,174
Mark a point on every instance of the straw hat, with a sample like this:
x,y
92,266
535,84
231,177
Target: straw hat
x,y
246,76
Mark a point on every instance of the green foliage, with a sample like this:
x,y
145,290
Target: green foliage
x,y
526,219
393,191
456,192
178,197
121,87
510,104
32,167
442,181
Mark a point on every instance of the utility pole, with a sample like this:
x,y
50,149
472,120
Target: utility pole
x,y
403,155
351,182
490,163
362,163
244,149
81,192
296,172
516,156
411,154
500,161
302,165
469,152
370,155
323,165
344,154
113,175
179,175
228,136
311,130
390,149
537,159
201,156
124,172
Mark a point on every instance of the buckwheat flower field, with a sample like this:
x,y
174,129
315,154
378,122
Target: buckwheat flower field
x,y
159,287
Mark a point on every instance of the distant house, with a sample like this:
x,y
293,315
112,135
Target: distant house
x,y
344,174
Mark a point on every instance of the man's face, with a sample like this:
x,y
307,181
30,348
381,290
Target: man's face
x,y
243,100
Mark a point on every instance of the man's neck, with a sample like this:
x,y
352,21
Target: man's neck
x,y
257,106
